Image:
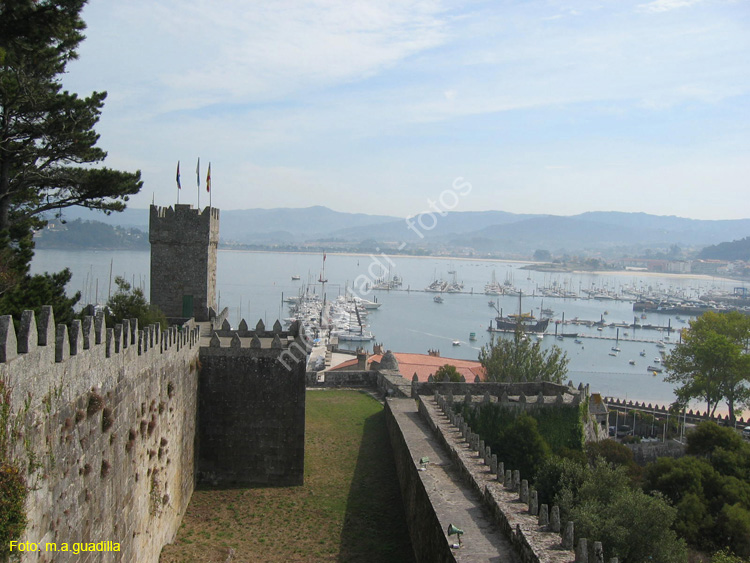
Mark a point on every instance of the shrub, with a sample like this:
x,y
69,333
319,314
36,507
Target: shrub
x,y
95,404
13,492
447,372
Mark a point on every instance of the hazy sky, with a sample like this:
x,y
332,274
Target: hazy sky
x,y
378,106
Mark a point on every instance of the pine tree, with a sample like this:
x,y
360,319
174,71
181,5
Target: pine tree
x,y
47,139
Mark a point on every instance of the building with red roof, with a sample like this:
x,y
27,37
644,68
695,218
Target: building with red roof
x,y
423,365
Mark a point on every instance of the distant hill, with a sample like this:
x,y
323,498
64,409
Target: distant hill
x,y
497,232
735,250
673,229
129,218
253,225
431,227
90,234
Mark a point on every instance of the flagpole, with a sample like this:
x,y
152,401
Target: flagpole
x,y
198,181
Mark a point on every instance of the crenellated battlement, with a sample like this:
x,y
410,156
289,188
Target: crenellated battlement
x,y
41,354
184,243
275,343
252,388
183,223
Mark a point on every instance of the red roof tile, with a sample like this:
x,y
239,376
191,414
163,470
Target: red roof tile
x,y
424,365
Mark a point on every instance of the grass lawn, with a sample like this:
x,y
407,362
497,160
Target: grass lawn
x,y
349,508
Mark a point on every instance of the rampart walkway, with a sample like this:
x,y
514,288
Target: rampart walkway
x,y
453,501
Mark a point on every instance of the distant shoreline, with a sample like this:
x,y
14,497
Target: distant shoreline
x,y
634,273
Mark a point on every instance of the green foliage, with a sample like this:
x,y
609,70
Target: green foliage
x,y
710,488
524,440
710,363
130,303
13,492
91,234
558,480
46,135
561,426
615,454
519,359
41,289
734,521
520,445
13,488
447,372
632,526
709,436
726,556
605,506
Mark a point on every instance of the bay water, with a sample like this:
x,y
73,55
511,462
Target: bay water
x,y
253,285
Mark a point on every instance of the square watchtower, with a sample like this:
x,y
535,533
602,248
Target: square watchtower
x,y
184,242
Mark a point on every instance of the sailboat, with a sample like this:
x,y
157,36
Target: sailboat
x,y
493,288
527,322
616,347
322,278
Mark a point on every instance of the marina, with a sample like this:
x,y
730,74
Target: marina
x,y
407,320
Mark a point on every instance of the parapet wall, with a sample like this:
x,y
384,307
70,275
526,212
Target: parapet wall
x,y
104,427
425,529
252,407
535,536
183,224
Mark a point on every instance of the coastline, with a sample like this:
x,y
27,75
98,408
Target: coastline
x,y
701,277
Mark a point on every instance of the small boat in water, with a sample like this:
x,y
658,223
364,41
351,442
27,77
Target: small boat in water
x,y
472,336
631,362
295,277
457,343
654,369
438,299
643,353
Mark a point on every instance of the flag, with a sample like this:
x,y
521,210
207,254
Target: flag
x,y
208,178
198,173
324,257
179,187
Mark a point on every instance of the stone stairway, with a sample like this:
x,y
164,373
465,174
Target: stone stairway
x,y
452,501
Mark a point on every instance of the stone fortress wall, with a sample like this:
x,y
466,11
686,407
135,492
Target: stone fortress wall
x,y
103,422
252,406
184,244
114,426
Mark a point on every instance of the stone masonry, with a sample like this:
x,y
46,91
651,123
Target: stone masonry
x,y
105,424
184,244
252,406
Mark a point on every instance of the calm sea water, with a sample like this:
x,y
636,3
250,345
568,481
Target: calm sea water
x,y
252,285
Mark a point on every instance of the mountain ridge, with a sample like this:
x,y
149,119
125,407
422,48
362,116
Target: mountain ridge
x,y
486,231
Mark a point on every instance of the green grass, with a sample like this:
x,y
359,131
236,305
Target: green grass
x,y
349,508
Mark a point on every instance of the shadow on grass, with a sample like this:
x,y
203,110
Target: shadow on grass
x,y
375,524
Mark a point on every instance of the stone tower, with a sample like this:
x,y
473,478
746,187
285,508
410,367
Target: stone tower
x,y
183,260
